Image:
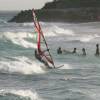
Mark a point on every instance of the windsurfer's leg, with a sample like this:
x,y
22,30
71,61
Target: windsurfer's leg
x,y
46,64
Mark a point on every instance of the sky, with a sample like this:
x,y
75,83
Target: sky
x,y
21,4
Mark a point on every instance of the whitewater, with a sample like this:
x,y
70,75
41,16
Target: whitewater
x,y
22,78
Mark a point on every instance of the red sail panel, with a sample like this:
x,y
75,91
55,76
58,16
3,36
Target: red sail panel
x,y
39,40
37,29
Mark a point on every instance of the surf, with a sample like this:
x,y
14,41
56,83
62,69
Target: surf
x,y
12,94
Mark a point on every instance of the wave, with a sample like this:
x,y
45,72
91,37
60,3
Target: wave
x,y
28,39
7,94
52,32
3,21
88,38
66,66
50,29
22,65
56,31
19,38
82,38
63,31
32,24
28,24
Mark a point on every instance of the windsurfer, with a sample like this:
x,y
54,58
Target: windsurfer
x,y
41,58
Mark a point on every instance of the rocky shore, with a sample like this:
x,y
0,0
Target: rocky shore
x,y
63,11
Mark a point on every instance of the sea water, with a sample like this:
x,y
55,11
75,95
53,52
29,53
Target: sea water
x,y
22,78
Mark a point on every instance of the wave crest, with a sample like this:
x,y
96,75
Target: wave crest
x,y
19,94
19,39
2,21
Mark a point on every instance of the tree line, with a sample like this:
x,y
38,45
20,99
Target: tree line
x,y
63,4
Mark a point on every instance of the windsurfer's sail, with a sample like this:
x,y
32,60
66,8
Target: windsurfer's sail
x,y
40,38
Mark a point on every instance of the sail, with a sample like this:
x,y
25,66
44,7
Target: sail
x,y
41,38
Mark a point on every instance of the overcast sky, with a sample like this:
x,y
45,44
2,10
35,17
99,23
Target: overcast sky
x,y
21,4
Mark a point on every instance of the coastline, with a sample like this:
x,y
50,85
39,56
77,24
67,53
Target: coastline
x,y
61,11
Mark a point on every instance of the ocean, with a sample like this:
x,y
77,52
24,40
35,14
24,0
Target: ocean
x,y
21,75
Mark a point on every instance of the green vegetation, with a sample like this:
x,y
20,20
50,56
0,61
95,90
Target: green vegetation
x,y
63,4
65,11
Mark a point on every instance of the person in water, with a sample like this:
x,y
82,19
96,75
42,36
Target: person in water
x,y
74,51
97,50
40,57
84,52
59,51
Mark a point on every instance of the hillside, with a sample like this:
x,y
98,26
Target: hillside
x,y
64,11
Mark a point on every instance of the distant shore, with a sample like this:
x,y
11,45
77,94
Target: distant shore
x,y
57,14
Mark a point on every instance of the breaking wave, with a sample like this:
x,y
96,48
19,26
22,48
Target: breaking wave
x,y
19,39
32,24
2,21
63,31
83,38
7,94
88,38
57,31
28,24
21,65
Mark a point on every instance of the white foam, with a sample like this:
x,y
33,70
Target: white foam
x,y
22,65
28,24
66,66
49,32
19,38
32,24
56,31
18,35
63,31
88,38
23,93
24,43
3,21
